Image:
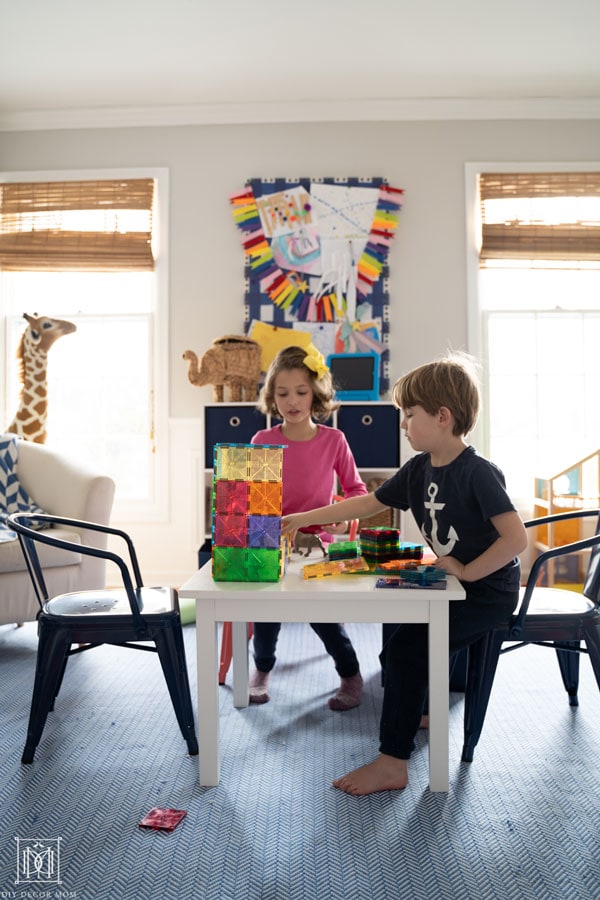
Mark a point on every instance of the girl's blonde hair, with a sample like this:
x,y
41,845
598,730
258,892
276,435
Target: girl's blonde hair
x,y
322,387
450,381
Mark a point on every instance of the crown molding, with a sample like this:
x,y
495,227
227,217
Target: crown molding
x,y
253,113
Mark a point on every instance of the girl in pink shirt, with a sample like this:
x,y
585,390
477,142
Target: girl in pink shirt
x,y
298,389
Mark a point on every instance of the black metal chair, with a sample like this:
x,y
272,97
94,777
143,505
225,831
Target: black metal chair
x,y
547,616
77,622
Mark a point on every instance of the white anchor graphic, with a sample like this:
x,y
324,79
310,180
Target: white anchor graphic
x,y
439,548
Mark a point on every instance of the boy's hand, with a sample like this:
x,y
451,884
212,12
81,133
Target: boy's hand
x,y
290,525
451,565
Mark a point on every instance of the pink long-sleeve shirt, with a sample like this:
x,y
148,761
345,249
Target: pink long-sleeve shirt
x,y
315,470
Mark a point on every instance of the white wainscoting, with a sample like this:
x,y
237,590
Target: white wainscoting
x,y
168,550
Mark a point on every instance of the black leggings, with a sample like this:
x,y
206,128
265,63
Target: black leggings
x,y
334,636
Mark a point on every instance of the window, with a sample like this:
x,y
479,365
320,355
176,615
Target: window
x,y
85,251
535,319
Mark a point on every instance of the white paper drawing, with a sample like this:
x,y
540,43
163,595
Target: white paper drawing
x,y
343,212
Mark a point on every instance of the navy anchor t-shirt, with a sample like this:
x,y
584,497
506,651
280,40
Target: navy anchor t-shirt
x,y
453,505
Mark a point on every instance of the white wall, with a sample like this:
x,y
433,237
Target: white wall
x,y
208,163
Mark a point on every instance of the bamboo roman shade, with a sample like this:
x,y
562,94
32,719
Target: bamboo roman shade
x,y
520,222
87,225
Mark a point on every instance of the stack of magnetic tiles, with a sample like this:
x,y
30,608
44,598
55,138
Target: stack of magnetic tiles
x,y
246,521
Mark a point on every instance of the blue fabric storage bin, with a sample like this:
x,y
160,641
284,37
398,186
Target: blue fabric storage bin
x,y
229,425
373,432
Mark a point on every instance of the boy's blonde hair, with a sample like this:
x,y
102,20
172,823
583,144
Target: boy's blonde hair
x,y
323,392
450,381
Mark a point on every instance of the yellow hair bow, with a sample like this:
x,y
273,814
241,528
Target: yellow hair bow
x,y
314,361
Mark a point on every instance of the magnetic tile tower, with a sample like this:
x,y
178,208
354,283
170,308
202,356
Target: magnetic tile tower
x,y
246,521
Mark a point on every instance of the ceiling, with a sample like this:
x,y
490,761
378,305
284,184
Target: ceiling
x,y
73,63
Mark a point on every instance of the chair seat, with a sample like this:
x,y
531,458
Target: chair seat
x,y
86,604
557,601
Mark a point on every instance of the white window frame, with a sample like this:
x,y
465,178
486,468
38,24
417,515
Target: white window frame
x,y
155,509
475,315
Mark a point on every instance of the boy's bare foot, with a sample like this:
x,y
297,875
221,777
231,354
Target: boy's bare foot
x,y
385,773
258,687
424,723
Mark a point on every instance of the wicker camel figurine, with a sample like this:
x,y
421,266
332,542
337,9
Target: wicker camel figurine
x,y
233,361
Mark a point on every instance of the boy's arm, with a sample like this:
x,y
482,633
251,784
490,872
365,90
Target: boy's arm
x,y
355,508
511,541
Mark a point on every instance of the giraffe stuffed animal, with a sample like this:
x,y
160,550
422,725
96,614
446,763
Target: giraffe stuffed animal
x,y
41,333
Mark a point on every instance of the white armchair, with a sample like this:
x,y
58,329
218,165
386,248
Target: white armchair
x,y
63,487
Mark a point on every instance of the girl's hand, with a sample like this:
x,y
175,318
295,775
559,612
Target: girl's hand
x,y
336,528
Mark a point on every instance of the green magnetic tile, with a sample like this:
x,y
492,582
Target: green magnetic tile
x,y
264,565
229,564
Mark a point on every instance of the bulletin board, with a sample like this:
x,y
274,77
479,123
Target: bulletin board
x,y
316,260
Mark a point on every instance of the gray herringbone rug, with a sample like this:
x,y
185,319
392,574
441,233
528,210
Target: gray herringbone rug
x,y
522,821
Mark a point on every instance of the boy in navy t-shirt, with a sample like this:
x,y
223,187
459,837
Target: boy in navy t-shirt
x,y
460,503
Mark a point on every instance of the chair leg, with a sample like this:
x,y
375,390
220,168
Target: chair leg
x,y
568,661
482,662
227,649
226,652
52,655
592,642
171,652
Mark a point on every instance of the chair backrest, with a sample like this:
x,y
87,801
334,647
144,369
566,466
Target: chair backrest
x,y
591,585
28,537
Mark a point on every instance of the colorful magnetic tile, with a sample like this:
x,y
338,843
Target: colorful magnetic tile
x,y
379,543
336,567
231,462
399,583
265,463
423,575
264,531
264,498
230,531
231,497
407,550
323,569
343,550
263,565
229,564
162,819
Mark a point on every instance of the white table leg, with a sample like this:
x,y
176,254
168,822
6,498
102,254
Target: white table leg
x,y
208,694
438,696
239,643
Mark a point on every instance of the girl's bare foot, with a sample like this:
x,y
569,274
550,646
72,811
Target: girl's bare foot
x,y
424,723
385,773
259,687
348,694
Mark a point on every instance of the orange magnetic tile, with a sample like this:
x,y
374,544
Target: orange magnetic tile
x,y
264,498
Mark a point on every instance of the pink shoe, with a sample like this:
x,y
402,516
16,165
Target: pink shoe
x,y
258,687
348,695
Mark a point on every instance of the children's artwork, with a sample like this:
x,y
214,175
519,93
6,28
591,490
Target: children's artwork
x,y
316,252
343,212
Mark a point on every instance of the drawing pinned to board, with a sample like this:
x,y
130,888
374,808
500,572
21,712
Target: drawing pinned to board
x,y
316,251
